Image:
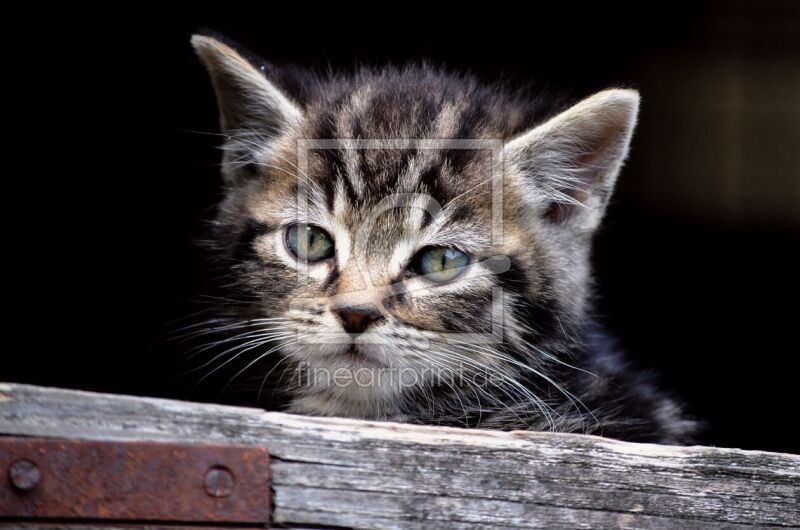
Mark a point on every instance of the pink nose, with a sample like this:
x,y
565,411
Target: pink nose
x,y
357,319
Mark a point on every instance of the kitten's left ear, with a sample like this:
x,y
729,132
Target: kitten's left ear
x,y
572,161
246,98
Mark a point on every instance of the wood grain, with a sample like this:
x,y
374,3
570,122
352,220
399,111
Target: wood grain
x,y
356,474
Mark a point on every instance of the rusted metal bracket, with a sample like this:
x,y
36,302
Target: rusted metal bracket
x,y
133,482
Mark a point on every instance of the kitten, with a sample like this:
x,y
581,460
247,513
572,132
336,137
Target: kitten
x,y
410,245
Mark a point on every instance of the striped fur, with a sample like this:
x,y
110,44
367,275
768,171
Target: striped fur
x,y
509,344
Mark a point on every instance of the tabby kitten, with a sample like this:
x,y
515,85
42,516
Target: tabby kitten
x,y
410,245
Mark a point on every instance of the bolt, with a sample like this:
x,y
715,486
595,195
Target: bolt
x,y
219,481
24,475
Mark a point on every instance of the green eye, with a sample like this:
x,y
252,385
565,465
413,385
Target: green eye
x,y
309,243
440,264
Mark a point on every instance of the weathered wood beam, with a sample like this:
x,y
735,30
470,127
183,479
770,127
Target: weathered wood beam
x,y
359,474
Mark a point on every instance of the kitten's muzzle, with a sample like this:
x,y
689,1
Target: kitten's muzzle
x,y
358,318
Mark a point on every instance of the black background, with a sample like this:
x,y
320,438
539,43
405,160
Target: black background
x,y
109,178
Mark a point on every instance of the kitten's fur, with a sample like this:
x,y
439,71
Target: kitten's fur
x,y
554,368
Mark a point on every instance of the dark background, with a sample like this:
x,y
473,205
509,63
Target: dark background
x,y
108,179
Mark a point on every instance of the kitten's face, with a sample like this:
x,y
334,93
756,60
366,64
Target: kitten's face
x,y
377,267
391,267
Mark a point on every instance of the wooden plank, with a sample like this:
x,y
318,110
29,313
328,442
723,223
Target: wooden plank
x,y
348,473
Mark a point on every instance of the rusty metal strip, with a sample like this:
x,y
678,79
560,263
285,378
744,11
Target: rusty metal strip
x,y
133,481
103,525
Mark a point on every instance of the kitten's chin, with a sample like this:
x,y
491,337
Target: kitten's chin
x,y
352,380
356,355
331,403
365,355
353,385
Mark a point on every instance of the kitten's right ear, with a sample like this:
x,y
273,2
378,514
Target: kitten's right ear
x,y
571,161
247,100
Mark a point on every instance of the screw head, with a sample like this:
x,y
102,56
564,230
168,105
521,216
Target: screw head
x,y
219,482
24,475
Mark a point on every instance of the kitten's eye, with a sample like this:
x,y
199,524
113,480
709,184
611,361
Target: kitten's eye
x,y
440,264
309,243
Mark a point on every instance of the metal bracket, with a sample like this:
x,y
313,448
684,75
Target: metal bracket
x,y
133,482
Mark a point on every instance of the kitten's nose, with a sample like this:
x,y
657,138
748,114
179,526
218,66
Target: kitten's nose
x,y
357,319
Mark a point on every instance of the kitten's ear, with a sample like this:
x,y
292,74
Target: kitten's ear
x,y
247,100
572,160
